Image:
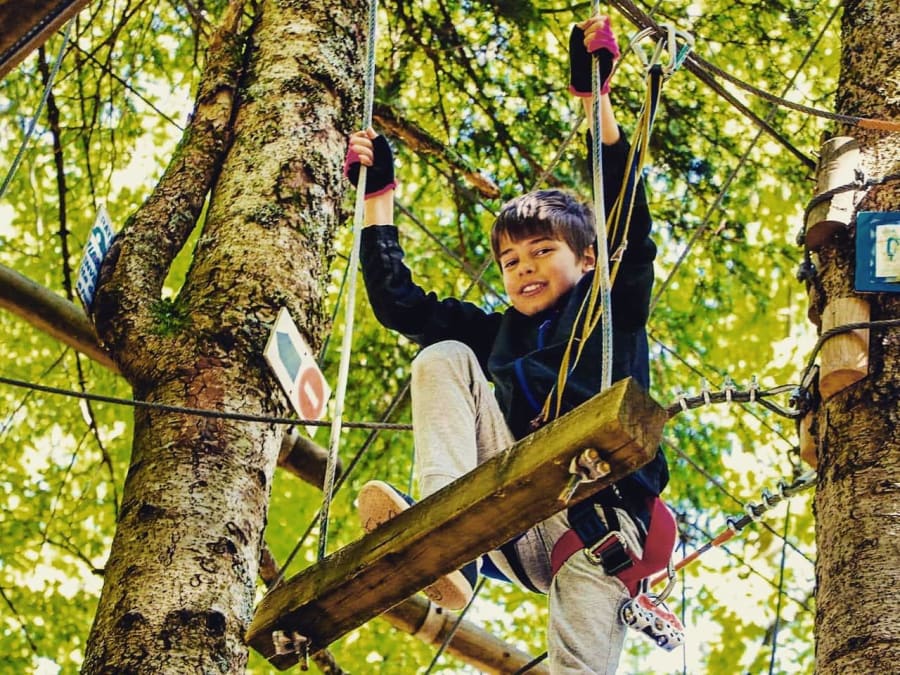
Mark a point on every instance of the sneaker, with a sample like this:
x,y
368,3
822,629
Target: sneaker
x,y
377,503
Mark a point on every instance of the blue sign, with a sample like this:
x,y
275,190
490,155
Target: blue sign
x,y
878,251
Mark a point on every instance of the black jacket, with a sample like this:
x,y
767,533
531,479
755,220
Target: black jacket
x,y
521,354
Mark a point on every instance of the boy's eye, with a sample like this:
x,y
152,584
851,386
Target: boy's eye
x,y
543,251
509,262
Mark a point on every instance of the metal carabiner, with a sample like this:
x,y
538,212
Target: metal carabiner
x,y
677,53
638,50
676,43
670,585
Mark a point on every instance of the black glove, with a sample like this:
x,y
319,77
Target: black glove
x,y
379,176
607,49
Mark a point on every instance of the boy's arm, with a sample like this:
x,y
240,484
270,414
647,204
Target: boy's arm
x,y
397,301
631,290
373,151
594,36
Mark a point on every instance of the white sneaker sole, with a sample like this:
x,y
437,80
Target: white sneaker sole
x,y
376,504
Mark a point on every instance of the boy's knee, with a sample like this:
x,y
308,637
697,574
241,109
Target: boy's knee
x,y
440,355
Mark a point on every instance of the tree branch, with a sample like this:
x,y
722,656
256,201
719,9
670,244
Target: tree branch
x,y
422,143
63,320
139,259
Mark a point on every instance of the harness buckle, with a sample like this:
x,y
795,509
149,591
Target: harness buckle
x,y
611,553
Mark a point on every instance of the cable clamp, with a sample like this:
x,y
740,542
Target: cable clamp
x,y
681,397
754,511
753,389
291,643
728,388
704,388
586,467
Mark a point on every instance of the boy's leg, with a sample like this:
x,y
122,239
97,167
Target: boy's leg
x,y
457,423
585,635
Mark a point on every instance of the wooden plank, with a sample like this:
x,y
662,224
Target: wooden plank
x,y
26,25
477,513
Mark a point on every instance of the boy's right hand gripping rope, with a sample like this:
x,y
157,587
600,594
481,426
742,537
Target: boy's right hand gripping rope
x,y
379,176
604,42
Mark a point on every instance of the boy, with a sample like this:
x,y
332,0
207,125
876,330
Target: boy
x,y
544,243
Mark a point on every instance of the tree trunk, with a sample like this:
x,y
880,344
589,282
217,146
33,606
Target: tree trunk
x,y
180,581
858,497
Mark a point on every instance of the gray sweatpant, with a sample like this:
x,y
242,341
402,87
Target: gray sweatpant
x,y
457,425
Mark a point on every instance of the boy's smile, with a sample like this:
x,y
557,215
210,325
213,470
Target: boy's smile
x,y
537,271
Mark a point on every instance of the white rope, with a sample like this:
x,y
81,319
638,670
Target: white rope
x,y
353,264
602,268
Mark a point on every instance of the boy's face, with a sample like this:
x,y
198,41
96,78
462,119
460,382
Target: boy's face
x,y
537,271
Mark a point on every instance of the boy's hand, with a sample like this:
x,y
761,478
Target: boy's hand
x,y
372,150
589,37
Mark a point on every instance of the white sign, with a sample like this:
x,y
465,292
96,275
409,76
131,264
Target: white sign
x,y
95,249
887,251
294,364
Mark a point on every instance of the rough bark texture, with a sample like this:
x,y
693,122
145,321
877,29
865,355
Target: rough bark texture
x,y
179,583
858,497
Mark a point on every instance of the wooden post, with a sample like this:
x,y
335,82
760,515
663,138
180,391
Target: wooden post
x,y
845,357
837,168
304,458
808,442
501,498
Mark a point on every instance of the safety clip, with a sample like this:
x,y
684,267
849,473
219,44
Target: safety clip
x,y
675,43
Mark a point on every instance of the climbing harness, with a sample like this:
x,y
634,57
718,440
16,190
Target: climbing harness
x,y
602,542
604,545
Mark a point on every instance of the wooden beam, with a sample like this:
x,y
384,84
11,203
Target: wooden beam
x,y
27,24
305,459
52,314
422,619
477,513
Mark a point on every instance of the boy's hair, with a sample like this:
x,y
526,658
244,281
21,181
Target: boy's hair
x,y
553,213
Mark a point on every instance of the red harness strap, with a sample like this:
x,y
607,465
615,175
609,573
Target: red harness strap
x,y
657,549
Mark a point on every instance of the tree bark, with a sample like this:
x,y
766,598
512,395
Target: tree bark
x,y
857,503
180,581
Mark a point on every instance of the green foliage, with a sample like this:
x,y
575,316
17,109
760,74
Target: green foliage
x,y
488,80
170,317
